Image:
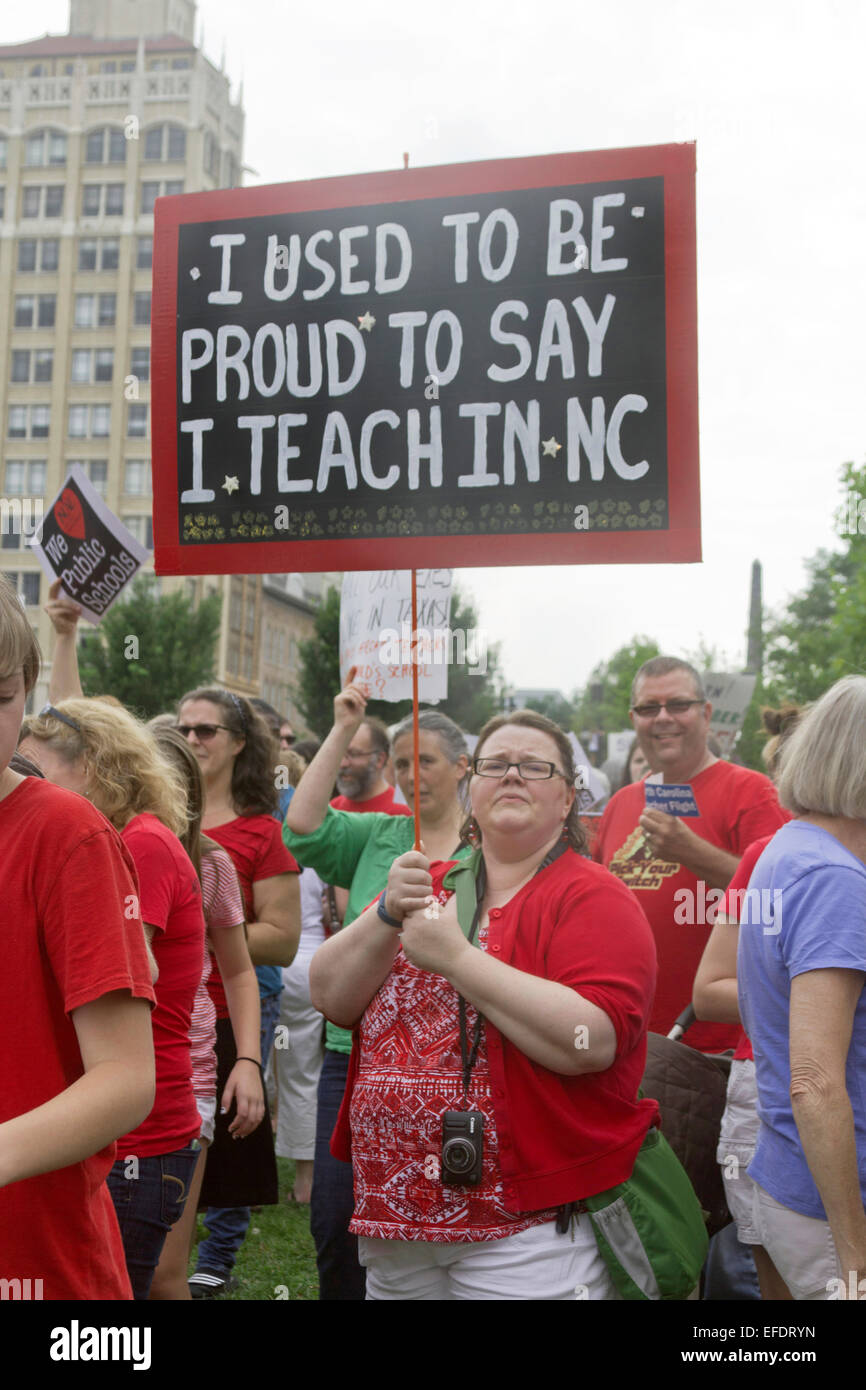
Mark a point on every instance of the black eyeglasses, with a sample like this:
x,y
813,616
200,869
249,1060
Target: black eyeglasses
x,y
66,719
674,707
533,770
203,732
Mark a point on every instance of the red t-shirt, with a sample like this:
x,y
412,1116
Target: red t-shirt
x,y
255,846
559,1137
731,909
736,807
385,803
171,902
70,934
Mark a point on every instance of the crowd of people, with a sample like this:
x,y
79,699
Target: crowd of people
x,y
209,921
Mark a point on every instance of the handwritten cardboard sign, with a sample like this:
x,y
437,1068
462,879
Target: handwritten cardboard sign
x,y
376,635
476,364
82,543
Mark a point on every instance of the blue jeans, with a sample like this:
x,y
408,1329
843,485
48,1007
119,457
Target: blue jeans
x,y
333,1200
147,1203
227,1226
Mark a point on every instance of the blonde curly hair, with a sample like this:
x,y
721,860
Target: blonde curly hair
x,y
126,771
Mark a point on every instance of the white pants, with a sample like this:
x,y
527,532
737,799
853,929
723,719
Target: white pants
x,y
738,1139
297,1060
801,1248
538,1264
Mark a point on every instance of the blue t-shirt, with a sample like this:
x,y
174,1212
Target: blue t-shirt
x,y
805,909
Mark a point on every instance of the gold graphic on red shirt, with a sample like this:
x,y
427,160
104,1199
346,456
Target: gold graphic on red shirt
x,y
630,863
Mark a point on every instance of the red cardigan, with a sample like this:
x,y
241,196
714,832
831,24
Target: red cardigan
x,y
563,1137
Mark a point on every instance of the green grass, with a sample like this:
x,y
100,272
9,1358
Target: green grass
x,y
278,1258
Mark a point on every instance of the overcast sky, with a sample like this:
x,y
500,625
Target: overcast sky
x,y
774,95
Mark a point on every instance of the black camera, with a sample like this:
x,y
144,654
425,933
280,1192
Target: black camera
x,y
462,1148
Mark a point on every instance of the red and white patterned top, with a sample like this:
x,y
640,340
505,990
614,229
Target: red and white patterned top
x,y
223,907
410,1073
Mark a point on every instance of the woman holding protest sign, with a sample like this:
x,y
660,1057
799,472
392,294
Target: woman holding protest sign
x,y
75,997
355,850
501,1042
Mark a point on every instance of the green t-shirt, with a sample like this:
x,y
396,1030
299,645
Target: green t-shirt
x,y
354,850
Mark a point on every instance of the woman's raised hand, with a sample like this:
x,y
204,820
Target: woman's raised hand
x,y
350,704
64,614
409,884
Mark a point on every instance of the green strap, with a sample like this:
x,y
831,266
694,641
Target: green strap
x,y
462,879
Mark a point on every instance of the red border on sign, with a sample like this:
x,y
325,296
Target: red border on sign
x,y
680,542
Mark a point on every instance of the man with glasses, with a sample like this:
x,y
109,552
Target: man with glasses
x,y
673,864
361,778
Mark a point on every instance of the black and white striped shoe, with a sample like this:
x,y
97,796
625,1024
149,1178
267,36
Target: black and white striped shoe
x,y
205,1283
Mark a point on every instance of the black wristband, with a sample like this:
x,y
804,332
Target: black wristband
x,y
385,915
254,1062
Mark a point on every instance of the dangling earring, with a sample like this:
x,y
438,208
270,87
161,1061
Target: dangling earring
x,y
473,832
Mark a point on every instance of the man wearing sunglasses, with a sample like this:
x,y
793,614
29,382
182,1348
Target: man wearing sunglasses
x,y
673,864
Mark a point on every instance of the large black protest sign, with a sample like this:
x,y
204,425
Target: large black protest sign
x,y
84,545
499,354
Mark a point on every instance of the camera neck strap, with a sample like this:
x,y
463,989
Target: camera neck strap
x,y
469,1054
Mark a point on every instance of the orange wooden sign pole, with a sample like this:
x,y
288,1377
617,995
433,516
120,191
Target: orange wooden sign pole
x,y
416,765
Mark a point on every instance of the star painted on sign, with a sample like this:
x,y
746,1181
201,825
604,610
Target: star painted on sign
x,y
231,485
365,322
550,446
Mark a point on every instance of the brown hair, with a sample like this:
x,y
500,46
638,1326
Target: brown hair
x,y
778,724
253,788
19,649
530,719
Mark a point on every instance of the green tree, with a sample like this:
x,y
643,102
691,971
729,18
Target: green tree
x,y
604,702
474,694
556,707
820,636
319,667
149,650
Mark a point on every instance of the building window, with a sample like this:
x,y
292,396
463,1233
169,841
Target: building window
x,y
27,254
105,146
136,478
33,366
144,253
96,470
35,310
95,310
27,584
141,527
25,477
89,421
99,253
97,198
165,142
29,421
41,200
136,423
2,202
139,364
141,309
92,365
43,147
149,195
4,150
211,155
